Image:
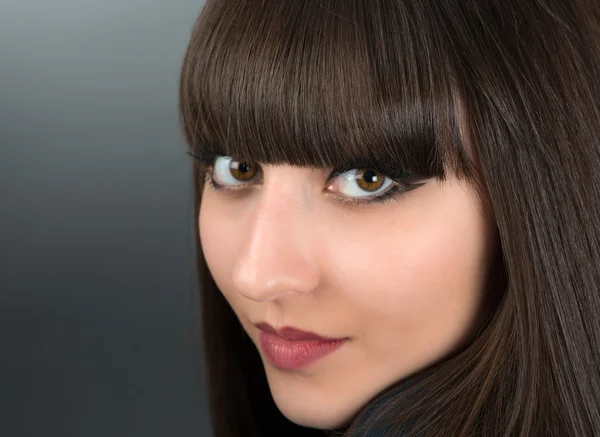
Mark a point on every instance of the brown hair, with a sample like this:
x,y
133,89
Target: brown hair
x,y
325,83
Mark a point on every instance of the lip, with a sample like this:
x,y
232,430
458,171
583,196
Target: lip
x,y
291,333
291,349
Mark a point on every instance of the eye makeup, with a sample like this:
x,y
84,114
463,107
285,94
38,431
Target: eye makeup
x,y
401,181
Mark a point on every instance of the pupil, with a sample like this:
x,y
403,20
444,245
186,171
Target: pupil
x,y
370,176
243,167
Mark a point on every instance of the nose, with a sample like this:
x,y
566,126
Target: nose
x,y
277,260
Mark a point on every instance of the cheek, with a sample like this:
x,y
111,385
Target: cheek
x,y
441,270
420,281
215,229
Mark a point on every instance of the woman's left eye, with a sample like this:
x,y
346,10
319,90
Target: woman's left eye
x,y
368,185
357,183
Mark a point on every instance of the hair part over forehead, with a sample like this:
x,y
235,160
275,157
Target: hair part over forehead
x,y
324,84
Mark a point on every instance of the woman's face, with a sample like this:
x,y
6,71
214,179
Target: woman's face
x,y
403,282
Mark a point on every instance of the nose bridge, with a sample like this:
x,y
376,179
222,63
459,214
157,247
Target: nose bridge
x,y
277,260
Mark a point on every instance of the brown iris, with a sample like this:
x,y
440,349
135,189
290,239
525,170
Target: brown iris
x,y
242,171
369,179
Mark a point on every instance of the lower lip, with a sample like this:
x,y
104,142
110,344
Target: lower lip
x,y
295,354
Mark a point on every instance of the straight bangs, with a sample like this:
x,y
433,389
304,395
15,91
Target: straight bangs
x,y
323,84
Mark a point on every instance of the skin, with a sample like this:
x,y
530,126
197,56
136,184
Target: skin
x,y
404,280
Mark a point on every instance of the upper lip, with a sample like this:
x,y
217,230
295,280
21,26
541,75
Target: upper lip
x,y
291,333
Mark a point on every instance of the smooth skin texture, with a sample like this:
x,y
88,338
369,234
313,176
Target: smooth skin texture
x,y
404,280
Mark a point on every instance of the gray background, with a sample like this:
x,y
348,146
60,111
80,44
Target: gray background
x,y
99,319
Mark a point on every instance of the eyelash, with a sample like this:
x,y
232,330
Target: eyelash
x,y
399,187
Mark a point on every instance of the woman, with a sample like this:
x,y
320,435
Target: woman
x,y
399,215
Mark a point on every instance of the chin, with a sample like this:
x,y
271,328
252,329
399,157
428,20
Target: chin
x,y
314,411
315,419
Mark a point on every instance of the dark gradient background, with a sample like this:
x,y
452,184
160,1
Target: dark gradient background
x,y
99,318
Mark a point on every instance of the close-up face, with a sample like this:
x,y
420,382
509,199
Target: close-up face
x,y
400,284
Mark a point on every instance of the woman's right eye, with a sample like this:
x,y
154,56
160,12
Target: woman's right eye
x,y
228,172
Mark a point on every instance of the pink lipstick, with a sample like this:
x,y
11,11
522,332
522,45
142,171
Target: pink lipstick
x,y
292,349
